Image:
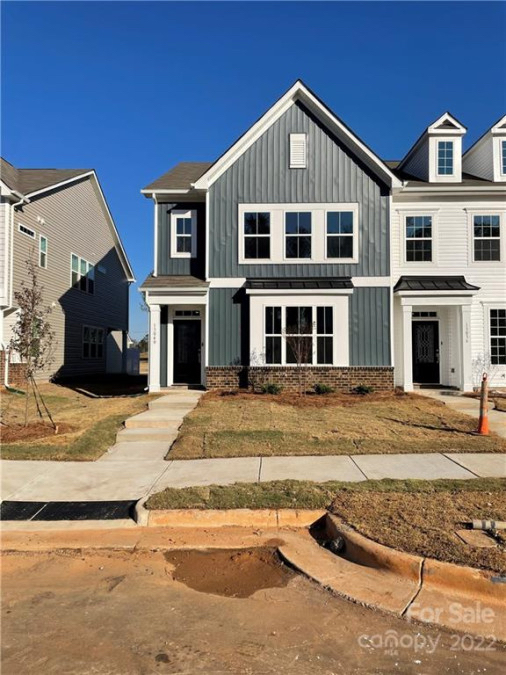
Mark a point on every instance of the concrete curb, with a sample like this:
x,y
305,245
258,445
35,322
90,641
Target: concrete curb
x,y
258,518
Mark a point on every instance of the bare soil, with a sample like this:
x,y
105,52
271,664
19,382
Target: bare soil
x,y
426,523
229,424
121,613
235,574
34,431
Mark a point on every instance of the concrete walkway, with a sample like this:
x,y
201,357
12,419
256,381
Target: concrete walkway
x,y
135,467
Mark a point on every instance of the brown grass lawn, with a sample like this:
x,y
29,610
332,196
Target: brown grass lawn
x,y
253,424
87,427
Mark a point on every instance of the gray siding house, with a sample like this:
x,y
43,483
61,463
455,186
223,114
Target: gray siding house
x,y
276,254
59,218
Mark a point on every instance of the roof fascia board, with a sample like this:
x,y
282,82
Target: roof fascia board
x,y
176,191
54,186
458,189
459,128
299,291
297,92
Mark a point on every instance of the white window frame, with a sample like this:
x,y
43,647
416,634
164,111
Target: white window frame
x,y
502,156
300,209
471,213
100,331
43,253
89,274
27,231
405,213
298,151
243,236
318,233
406,239
490,337
183,213
445,140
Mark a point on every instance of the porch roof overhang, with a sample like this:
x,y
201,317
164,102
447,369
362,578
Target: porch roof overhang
x,y
427,285
299,286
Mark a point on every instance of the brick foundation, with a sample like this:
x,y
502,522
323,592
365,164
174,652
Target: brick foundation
x,y
16,373
342,379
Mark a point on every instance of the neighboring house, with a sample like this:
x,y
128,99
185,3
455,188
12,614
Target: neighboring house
x,y
59,218
292,247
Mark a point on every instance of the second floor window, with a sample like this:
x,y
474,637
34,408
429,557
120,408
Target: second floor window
x,y
445,158
42,251
498,337
298,235
340,234
83,274
418,238
257,235
183,234
503,157
487,238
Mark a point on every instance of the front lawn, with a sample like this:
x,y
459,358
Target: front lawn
x,y
420,517
87,427
247,424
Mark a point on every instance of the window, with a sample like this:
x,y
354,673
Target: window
x,y
42,251
503,157
187,312
298,235
445,158
424,315
183,238
93,342
498,337
26,230
257,235
418,238
298,151
291,334
487,241
340,234
273,335
82,274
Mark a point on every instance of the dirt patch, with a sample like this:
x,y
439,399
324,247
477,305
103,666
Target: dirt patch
x,y
234,574
310,399
426,523
34,431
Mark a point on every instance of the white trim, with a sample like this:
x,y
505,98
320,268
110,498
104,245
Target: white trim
x,y
183,213
418,213
227,282
206,262
156,191
154,348
436,299
155,243
372,282
475,211
288,292
297,91
171,318
46,252
298,151
31,234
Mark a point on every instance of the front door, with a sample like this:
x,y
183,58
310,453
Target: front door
x,y
426,352
187,352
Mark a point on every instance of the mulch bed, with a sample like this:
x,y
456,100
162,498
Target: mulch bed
x,y
34,431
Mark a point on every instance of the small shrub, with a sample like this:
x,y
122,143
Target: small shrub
x,y
322,389
271,388
363,389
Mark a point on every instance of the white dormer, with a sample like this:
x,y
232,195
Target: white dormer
x,y
487,157
437,155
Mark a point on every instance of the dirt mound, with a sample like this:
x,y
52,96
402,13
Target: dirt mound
x,y
236,573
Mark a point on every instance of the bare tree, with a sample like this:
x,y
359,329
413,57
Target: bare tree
x,y
483,364
33,338
300,349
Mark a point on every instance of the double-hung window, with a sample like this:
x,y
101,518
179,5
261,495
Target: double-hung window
x,y
418,238
93,342
487,237
298,234
445,158
42,251
82,274
183,234
299,335
340,234
257,235
498,337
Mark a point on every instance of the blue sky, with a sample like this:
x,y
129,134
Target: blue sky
x,y
132,88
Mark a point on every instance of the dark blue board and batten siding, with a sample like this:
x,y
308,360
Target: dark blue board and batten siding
x,y
180,266
262,175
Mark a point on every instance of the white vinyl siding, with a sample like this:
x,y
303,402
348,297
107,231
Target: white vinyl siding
x,y
298,151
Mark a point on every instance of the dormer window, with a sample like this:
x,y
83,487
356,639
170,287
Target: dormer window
x,y
298,151
445,158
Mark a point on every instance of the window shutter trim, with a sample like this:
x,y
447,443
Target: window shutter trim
x,y
298,151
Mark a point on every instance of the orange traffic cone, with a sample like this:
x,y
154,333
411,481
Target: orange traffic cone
x,y
483,427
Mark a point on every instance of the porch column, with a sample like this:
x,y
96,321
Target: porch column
x,y
467,364
407,346
154,348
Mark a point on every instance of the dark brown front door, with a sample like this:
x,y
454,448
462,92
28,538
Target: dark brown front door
x,y
426,352
187,352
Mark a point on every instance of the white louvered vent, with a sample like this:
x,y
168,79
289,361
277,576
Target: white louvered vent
x,y
298,154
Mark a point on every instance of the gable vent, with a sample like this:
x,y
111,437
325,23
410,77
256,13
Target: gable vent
x,y
298,154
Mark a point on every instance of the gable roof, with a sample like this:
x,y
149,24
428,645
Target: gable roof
x,y
180,177
31,182
445,123
498,127
297,92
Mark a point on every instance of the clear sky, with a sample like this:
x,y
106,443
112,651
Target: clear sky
x,y
132,88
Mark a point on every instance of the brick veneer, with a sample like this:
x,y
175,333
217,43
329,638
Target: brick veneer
x,y
344,379
16,373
